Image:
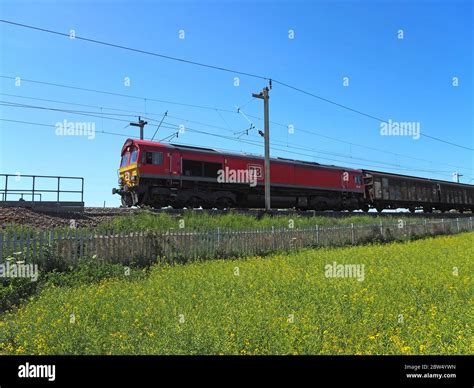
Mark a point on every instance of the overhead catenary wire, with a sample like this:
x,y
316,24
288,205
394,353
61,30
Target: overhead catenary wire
x,y
238,111
81,113
279,143
117,94
220,68
312,155
161,122
54,126
169,57
379,163
173,126
250,142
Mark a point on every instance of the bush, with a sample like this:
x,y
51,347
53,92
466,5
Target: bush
x,y
16,290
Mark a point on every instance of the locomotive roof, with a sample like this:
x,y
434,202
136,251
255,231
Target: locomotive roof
x,y
183,147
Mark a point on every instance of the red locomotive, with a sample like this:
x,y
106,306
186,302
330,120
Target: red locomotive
x,y
158,175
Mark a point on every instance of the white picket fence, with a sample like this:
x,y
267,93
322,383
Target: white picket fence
x,y
58,249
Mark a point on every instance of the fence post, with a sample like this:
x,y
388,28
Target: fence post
x,y
381,228
442,223
59,185
317,235
33,191
352,233
273,238
183,245
457,223
218,236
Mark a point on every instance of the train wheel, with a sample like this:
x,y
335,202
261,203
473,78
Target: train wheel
x,y
321,206
365,208
379,208
223,203
194,202
127,200
412,210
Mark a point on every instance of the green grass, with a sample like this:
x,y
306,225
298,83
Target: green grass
x,y
204,221
416,298
14,291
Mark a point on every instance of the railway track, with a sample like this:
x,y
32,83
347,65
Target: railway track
x,y
261,213
91,217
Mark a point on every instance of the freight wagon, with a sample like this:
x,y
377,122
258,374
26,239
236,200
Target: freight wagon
x,y
392,191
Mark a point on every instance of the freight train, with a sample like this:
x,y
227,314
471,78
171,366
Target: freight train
x,y
157,175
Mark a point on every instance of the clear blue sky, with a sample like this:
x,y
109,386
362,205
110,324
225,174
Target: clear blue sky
x,y
402,80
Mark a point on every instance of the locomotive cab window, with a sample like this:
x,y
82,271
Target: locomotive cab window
x,y
124,160
133,156
155,158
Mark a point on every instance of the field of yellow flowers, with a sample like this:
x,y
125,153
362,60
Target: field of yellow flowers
x,y
414,298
